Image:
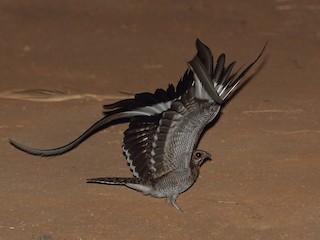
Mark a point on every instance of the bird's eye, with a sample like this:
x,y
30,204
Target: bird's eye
x,y
198,155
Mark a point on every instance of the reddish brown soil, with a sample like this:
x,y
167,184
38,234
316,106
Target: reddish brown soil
x,y
264,182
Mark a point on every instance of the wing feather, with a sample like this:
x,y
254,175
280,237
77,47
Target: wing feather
x,y
156,146
165,123
137,143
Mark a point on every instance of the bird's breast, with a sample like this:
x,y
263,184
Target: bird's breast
x,y
173,183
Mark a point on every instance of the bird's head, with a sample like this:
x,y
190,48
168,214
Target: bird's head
x,y
199,157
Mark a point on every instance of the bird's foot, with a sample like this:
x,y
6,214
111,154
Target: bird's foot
x,y
172,202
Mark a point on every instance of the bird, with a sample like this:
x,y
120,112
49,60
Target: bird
x,y
169,185
160,144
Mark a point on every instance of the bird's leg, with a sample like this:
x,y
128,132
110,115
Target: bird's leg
x,y
172,201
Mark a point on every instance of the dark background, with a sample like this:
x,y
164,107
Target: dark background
x,y
264,180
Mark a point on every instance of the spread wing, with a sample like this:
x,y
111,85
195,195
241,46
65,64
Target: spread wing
x,y
151,103
144,104
160,115
137,144
164,141
155,146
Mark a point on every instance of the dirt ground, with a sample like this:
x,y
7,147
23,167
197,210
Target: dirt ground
x,y
264,182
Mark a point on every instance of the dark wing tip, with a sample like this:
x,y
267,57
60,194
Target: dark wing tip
x,y
233,83
205,55
244,72
25,148
40,152
203,75
201,45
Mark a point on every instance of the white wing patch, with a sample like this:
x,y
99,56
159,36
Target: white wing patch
x,y
200,91
130,162
156,109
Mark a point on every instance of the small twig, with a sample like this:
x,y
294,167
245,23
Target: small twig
x,y
273,111
228,202
43,95
300,131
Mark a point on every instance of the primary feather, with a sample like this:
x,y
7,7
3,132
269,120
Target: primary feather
x,y
165,127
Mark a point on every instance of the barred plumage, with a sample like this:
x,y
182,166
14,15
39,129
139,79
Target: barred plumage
x,y
165,127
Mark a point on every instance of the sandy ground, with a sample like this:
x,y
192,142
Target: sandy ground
x,y
264,180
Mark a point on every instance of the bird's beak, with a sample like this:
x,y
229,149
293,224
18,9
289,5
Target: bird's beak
x,y
209,157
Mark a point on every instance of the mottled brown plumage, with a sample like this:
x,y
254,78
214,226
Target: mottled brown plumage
x,y
169,185
165,127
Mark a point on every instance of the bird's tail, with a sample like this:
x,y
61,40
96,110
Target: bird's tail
x,y
138,184
115,180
